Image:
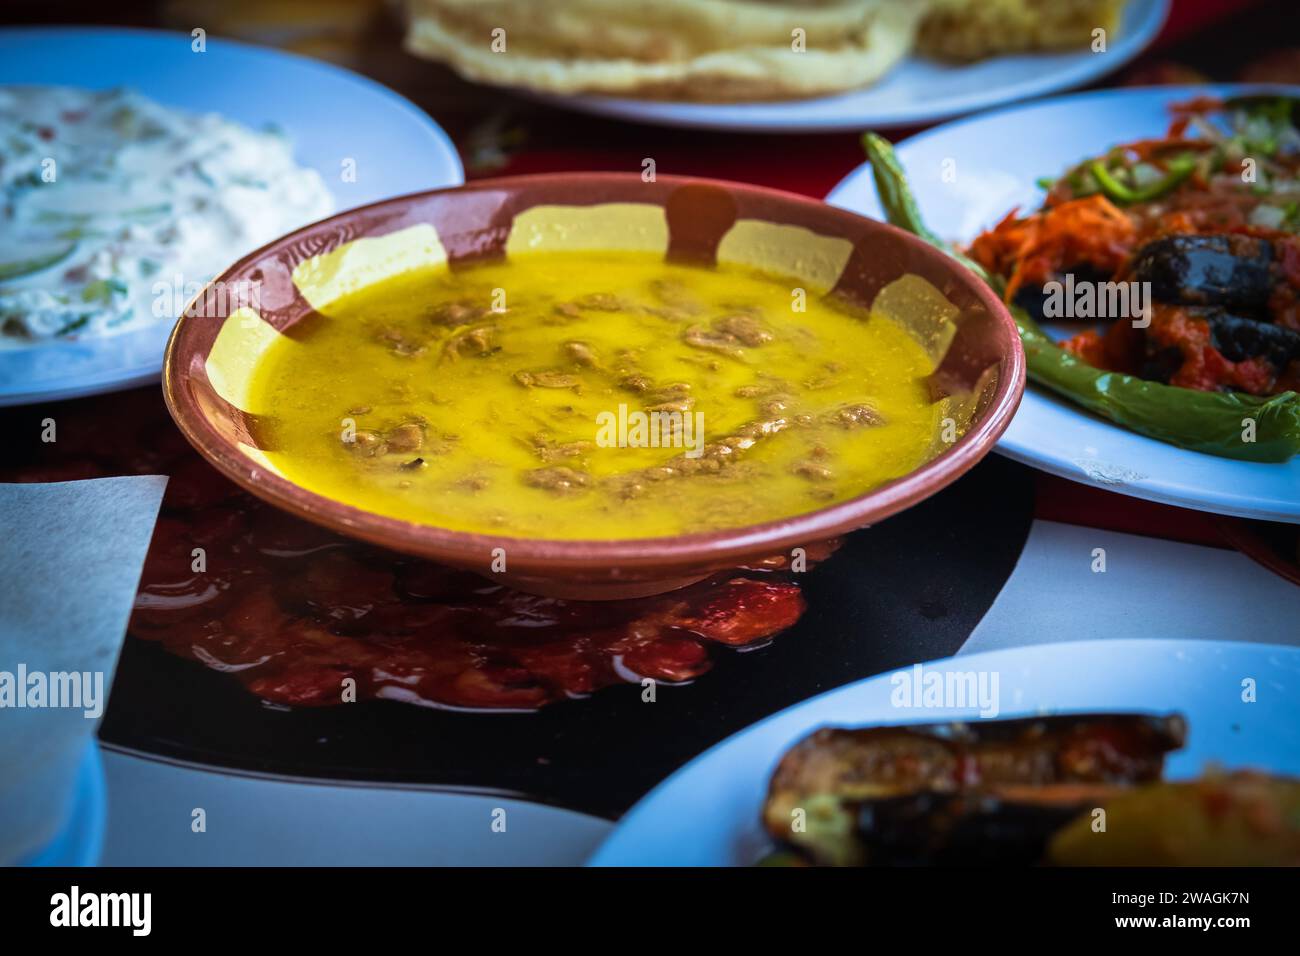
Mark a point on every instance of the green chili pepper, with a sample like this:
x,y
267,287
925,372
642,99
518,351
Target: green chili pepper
x,y
1215,423
1210,422
1179,169
900,206
895,194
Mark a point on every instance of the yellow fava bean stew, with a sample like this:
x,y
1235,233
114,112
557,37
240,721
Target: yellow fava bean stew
x,y
567,395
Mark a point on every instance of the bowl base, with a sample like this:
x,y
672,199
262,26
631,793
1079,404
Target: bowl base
x,y
595,590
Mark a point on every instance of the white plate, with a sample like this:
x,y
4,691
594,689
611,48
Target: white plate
x,y
997,157
329,114
917,91
707,814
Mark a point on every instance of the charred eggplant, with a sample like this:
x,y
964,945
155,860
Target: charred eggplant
x,y
1239,338
956,793
1208,347
1225,269
1033,298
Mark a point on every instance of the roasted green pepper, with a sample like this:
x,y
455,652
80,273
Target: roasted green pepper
x,y
1216,423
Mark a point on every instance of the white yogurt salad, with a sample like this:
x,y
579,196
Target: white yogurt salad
x,y
115,209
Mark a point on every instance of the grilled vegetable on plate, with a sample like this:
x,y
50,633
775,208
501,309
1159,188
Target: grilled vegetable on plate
x,y
1154,277
987,791
1069,790
1095,752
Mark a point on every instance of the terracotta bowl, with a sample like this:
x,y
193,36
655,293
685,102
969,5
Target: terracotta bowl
x,y
222,335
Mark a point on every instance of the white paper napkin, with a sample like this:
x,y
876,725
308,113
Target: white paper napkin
x,y
1149,588
70,560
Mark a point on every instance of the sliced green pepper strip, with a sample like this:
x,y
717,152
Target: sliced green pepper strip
x,y
1179,170
25,267
1216,423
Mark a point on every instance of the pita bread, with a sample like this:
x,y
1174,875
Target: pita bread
x,y
672,49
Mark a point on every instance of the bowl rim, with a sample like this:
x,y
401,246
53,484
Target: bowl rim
x,y
549,555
